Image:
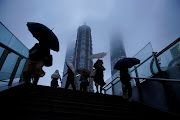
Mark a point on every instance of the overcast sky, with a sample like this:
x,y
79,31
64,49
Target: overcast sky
x,y
138,21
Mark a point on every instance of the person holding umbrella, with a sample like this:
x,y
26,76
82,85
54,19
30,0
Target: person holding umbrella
x,y
39,54
125,78
99,76
70,77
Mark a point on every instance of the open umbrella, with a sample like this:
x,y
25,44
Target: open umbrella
x,y
98,55
70,65
126,63
44,35
81,70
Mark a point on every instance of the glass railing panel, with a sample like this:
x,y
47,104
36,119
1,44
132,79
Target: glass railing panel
x,y
16,45
4,82
20,68
1,51
144,53
117,88
25,52
5,35
144,70
4,75
8,65
170,58
109,91
133,74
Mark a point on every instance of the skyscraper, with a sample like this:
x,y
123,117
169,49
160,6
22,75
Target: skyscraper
x,y
69,57
117,51
82,52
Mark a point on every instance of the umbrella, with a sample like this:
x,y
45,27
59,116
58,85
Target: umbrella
x,y
81,70
98,55
44,35
70,65
126,63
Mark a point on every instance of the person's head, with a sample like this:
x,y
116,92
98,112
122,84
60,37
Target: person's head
x,y
57,71
100,62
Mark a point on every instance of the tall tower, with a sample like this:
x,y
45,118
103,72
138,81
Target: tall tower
x,y
117,51
69,57
82,52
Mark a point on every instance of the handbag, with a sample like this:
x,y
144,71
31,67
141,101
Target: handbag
x,y
93,73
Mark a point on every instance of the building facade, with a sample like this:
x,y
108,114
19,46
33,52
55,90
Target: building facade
x,y
82,52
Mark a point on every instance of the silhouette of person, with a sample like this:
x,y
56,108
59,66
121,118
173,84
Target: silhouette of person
x,y
70,79
84,81
99,76
38,55
55,76
125,79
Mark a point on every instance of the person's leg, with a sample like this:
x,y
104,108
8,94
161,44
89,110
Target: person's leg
x,y
36,79
129,91
124,91
96,84
72,84
67,84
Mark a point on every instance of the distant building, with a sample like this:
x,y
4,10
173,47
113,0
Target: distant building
x,y
82,52
69,57
117,51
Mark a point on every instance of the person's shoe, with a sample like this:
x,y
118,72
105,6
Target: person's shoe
x,y
124,96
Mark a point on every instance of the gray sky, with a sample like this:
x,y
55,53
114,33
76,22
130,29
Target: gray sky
x,y
138,21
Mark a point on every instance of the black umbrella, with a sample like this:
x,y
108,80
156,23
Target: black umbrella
x,y
44,35
126,63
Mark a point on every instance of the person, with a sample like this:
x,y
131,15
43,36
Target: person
x,y
84,81
70,79
55,76
38,57
99,76
125,80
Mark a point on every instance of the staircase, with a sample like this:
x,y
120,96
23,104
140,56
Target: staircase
x,y
45,103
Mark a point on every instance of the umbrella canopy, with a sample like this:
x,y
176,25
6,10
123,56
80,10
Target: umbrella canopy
x,y
70,65
81,70
98,55
126,63
44,35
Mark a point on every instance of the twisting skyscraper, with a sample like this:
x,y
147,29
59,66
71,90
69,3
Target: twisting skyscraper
x,y
82,52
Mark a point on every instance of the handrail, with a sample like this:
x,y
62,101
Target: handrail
x,y
110,82
169,46
158,79
11,50
153,79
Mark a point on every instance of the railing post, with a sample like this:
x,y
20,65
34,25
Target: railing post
x,y
14,70
104,91
3,58
112,88
138,85
164,85
156,62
